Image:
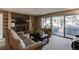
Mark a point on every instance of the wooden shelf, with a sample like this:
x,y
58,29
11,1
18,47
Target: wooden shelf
x,y
5,22
19,26
9,17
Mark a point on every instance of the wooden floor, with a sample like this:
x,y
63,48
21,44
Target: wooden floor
x,y
58,43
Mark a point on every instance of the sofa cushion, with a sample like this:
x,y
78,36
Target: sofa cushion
x,y
15,41
26,40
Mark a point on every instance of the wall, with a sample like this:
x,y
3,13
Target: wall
x,y
38,18
67,12
32,23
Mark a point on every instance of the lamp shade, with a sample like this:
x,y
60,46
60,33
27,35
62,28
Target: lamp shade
x,y
12,24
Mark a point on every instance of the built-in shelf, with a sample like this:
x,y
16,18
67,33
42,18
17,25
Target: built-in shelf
x,y
5,21
20,22
10,18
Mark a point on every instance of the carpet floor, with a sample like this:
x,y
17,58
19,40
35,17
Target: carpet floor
x,y
58,43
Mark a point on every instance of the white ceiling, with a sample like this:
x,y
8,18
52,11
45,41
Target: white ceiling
x,y
35,11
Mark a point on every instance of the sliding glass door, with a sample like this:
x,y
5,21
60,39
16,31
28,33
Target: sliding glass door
x,y
71,26
66,26
58,25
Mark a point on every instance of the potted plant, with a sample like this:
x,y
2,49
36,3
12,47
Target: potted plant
x,y
40,32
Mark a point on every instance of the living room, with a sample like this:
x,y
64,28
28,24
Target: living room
x,y
20,28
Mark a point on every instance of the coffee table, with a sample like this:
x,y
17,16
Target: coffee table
x,y
44,37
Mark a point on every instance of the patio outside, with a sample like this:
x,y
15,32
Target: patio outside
x,y
71,26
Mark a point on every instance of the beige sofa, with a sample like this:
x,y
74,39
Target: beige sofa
x,y
14,42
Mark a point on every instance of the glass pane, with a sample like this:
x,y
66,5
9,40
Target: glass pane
x,y
48,22
1,26
71,26
58,25
42,22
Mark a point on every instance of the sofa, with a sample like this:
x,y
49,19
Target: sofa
x,y
14,42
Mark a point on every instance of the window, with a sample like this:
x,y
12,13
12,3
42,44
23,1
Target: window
x,y
58,25
71,26
1,26
43,22
66,26
46,22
